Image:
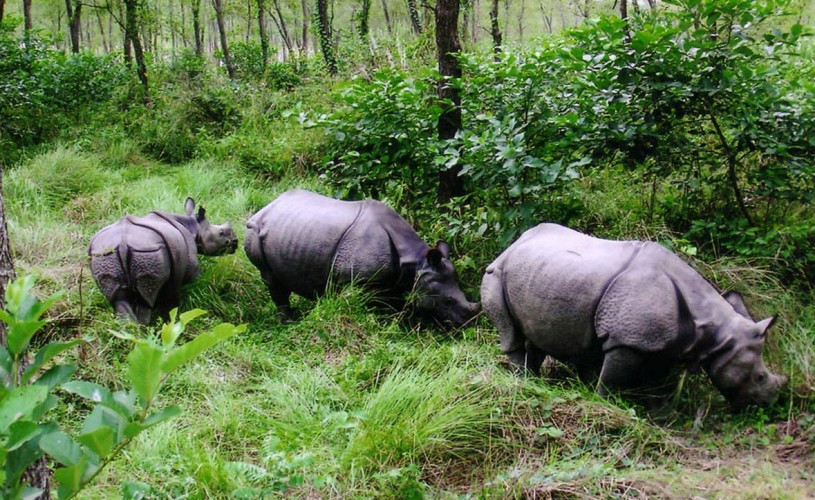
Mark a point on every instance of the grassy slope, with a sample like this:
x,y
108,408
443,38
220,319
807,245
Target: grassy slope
x,y
353,401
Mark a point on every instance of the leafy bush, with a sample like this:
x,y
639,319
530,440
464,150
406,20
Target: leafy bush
x,y
41,89
116,418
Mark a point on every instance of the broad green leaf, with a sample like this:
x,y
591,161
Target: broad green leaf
x,y
61,447
21,431
6,368
89,390
20,403
162,416
199,344
133,429
190,315
30,493
46,354
127,401
170,333
144,369
99,441
20,333
136,491
71,479
102,416
55,375
49,404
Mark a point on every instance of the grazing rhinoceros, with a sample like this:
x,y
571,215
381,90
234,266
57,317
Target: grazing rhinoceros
x,y
632,308
140,263
303,241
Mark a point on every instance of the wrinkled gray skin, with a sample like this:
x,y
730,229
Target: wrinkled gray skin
x,y
632,308
303,241
140,263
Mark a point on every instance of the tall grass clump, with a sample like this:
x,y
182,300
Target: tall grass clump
x,y
52,179
423,414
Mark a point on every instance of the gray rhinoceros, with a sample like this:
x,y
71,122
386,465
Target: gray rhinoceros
x,y
140,263
632,308
303,241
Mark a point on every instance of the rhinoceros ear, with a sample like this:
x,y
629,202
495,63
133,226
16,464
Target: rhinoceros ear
x,y
434,257
737,301
189,206
202,214
765,325
444,248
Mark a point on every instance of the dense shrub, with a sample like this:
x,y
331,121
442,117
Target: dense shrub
x,y
42,90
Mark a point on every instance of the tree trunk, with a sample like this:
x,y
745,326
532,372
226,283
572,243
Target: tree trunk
x,y
624,17
105,45
74,20
495,30
326,42
363,28
264,40
415,20
387,16
3,9
280,22
196,28
304,6
132,26
448,46
219,16
29,23
521,16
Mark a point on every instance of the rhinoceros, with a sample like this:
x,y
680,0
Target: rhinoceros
x,y
302,241
632,308
140,263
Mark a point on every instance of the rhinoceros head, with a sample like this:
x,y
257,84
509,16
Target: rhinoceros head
x,y
437,291
737,369
211,239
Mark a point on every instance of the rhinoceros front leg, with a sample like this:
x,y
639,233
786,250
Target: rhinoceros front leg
x,y
122,307
621,370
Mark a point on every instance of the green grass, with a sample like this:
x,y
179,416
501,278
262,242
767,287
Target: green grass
x,y
355,401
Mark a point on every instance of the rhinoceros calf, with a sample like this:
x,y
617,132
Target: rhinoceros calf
x,y
632,308
140,263
303,241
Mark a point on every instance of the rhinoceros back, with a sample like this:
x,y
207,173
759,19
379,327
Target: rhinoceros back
x,y
305,241
296,237
144,257
553,279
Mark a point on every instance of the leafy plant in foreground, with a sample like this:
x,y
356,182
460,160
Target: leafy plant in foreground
x,y
116,418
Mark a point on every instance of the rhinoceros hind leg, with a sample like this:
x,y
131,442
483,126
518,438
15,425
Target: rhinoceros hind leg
x,y
280,297
123,309
621,370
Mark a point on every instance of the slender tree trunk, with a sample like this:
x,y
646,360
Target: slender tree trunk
x,y
624,17
264,40
196,27
3,9
448,46
495,30
132,28
280,22
74,20
387,16
219,16
363,28
28,23
326,41
521,15
415,20
105,45
304,6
